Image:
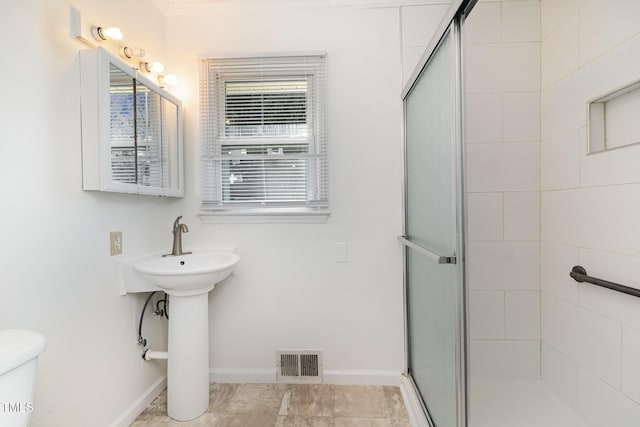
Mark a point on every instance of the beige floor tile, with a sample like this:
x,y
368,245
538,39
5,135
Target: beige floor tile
x,y
247,420
395,403
158,405
362,422
163,420
205,420
289,405
257,399
219,396
311,400
400,423
359,401
297,421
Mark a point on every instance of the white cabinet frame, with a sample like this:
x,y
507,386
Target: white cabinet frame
x,y
97,172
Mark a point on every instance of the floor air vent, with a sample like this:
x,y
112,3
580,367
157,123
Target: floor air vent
x,y
299,366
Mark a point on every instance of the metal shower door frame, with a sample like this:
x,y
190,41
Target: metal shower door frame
x,y
452,22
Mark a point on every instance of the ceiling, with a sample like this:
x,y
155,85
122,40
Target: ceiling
x,y
171,6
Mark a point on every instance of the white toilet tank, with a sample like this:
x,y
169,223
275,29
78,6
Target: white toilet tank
x,y
19,351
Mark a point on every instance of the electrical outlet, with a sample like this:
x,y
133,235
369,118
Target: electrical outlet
x,y
115,239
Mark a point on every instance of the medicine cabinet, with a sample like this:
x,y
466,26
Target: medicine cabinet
x,y
131,130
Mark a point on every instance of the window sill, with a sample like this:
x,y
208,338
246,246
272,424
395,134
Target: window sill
x,y
274,216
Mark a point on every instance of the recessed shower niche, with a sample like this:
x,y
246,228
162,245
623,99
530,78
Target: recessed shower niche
x,y
131,130
613,119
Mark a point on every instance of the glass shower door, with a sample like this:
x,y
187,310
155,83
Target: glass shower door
x,y
433,271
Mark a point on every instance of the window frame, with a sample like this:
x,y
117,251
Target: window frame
x,y
214,75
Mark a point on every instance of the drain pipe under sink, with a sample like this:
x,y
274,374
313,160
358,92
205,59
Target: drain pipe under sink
x,y
152,355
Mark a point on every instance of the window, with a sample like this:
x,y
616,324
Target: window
x,y
264,148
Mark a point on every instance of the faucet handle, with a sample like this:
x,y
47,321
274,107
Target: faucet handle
x,y
184,228
176,223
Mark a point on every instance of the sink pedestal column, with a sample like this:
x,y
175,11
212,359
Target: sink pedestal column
x,y
188,364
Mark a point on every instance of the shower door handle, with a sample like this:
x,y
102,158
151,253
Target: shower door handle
x,y
440,259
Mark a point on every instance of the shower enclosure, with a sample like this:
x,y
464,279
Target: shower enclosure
x,y
433,236
497,368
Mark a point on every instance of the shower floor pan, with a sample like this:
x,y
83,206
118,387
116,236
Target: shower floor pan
x,y
521,404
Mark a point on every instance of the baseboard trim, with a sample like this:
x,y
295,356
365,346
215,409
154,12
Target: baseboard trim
x,y
242,376
413,404
349,377
331,376
131,413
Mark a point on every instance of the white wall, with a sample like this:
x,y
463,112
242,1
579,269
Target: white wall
x,y
590,210
57,277
288,291
419,24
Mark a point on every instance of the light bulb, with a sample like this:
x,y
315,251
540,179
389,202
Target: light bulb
x,y
131,52
168,80
157,67
113,33
152,67
101,33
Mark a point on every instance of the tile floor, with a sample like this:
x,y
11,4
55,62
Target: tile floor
x,y
290,405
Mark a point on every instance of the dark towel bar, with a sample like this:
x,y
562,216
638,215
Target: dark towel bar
x,y
579,274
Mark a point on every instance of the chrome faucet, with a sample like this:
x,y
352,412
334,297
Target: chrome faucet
x,y
178,229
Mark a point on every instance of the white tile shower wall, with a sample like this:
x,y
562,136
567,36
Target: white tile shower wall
x,y
521,117
522,216
487,316
485,124
485,212
497,166
522,316
561,374
512,266
502,137
590,205
506,360
630,384
603,405
605,24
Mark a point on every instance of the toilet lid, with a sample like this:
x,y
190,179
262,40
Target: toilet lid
x,y
17,347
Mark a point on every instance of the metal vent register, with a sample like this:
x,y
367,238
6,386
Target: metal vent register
x,y
299,366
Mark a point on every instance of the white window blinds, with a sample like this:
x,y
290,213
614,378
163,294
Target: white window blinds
x,y
264,134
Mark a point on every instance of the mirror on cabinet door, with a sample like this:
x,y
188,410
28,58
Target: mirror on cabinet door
x,y
122,145
148,139
131,130
172,144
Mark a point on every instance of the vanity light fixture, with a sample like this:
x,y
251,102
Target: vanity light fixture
x,y
167,80
151,67
131,52
102,34
106,33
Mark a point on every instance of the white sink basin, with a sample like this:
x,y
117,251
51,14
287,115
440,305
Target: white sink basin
x,y
191,274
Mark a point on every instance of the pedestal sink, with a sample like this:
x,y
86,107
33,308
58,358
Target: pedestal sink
x,y
188,280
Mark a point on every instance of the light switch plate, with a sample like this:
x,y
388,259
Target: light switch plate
x,y
341,252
